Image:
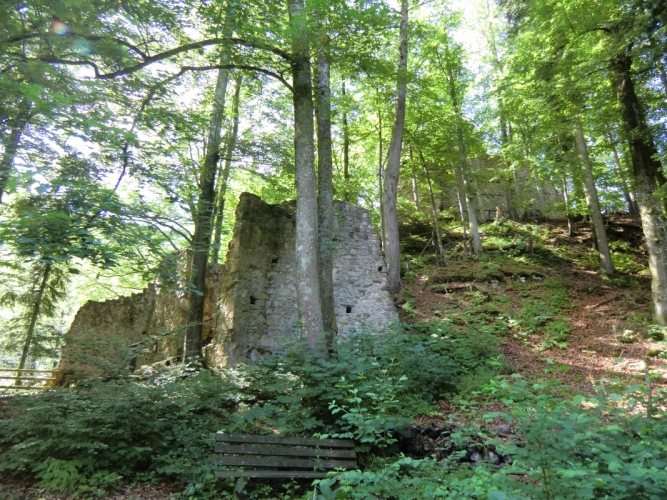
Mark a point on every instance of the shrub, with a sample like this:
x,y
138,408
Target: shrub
x,y
163,426
124,428
569,448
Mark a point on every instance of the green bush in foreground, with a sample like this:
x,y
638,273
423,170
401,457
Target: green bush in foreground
x,y
85,440
162,427
604,447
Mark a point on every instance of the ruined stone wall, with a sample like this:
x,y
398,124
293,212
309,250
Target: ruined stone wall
x,y
250,306
494,192
101,334
257,311
149,326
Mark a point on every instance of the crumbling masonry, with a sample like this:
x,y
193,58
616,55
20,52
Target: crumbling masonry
x,y
251,303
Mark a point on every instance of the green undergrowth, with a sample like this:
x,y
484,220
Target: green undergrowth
x,y
161,426
610,445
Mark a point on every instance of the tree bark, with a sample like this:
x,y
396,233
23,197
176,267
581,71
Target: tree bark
x,y
224,175
201,240
413,181
509,192
11,146
538,185
436,220
325,191
33,318
346,143
307,250
391,236
380,170
645,169
622,177
566,199
463,161
460,198
606,264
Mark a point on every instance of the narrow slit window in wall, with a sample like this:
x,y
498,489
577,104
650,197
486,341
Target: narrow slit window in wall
x,y
348,309
380,268
274,261
252,299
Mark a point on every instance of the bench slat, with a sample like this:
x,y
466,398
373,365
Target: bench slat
x,y
286,462
269,473
248,438
290,451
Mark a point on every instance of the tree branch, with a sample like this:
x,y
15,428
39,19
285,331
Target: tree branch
x,y
192,46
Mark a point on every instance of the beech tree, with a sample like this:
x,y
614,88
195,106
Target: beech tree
x,y
390,216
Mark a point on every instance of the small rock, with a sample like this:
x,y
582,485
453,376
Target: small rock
x,y
493,458
502,429
475,457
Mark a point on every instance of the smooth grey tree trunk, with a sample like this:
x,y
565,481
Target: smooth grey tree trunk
x,y
463,161
606,264
460,197
436,219
11,146
509,194
645,168
391,237
478,192
413,182
346,142
622,176
380,170
539,188
223,178
201,240
325,191
307,251
566,199
33,318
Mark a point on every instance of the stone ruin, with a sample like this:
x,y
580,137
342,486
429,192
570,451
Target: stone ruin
x,y
250,307
529,196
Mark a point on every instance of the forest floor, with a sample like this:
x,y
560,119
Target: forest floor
x,y
562,319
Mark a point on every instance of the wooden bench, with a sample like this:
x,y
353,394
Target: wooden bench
x,y
276,457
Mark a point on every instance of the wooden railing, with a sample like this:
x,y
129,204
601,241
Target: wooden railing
x,y
25,375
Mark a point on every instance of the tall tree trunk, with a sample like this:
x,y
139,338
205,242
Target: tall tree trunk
x,y
622,177
33,318
380,170
325,191
436,219
566,199
201,241
463,160
510,191
461,198
415,193
391,237
223,179
606,263
346,141
539,188
645,168
11,144
307,250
